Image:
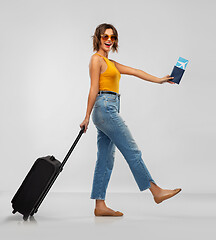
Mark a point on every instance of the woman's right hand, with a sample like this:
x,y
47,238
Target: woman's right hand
x,y
85,124
166,79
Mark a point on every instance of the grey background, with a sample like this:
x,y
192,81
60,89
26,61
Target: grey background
x,y
45,48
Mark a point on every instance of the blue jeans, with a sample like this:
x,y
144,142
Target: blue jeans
x,y
113,132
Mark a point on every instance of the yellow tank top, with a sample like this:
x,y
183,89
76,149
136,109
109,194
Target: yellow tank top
x,y
109,80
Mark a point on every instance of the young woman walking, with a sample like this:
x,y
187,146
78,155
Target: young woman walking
x,y
104,103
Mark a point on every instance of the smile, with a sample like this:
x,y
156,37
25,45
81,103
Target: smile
x,y
108,44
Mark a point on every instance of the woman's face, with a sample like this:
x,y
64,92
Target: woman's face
x,y
107,45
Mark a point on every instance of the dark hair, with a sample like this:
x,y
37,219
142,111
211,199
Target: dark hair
x,y
101,30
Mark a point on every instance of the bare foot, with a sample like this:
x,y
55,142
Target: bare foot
x,y
164,194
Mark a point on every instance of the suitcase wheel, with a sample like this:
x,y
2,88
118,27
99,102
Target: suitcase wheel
x,y
32,213
14,211
25,218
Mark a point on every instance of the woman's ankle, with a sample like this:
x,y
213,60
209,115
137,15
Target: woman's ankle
x,y
100,203
155,189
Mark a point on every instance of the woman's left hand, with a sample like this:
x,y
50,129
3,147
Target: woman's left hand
x,y
166,79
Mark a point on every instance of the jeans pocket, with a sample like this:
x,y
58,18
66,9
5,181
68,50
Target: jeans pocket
x,y
111,106
111,98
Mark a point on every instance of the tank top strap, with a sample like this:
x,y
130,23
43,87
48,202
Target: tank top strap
x,y
103,57
108,62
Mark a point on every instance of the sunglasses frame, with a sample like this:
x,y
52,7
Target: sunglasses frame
x,y
109,37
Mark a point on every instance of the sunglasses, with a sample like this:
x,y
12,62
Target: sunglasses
x,y
105,37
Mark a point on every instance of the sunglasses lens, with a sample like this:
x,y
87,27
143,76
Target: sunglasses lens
x,y
113,38
105,37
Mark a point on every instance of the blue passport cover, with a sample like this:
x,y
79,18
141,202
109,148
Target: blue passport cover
x,y
179,70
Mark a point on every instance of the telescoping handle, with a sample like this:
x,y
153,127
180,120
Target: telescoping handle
x,y
72,148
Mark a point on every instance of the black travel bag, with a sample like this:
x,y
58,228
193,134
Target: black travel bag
x,y
38,182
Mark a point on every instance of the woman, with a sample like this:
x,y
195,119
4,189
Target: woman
x,y
111,129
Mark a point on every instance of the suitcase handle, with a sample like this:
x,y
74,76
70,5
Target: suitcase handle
x,y
71,149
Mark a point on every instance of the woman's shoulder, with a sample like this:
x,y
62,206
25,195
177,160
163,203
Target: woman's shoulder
x,y
95,57
95,60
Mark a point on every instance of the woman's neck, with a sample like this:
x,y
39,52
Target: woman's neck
x,y
103,53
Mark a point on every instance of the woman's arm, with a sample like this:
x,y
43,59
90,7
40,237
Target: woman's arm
x,y
94,71
141,74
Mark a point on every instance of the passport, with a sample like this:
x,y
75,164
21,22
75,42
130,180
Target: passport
x,y
178,70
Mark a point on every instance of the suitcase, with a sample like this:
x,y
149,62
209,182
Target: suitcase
x,y
38,182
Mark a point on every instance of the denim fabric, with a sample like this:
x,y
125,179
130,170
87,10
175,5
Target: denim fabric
x,y
113,132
